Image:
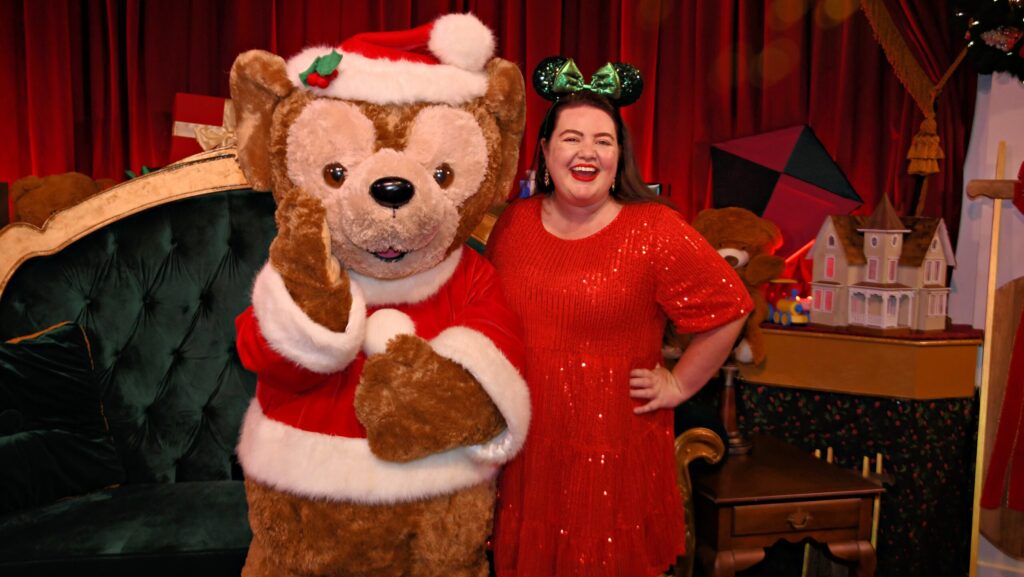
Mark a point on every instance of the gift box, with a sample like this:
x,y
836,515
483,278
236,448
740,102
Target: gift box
x,y
200,123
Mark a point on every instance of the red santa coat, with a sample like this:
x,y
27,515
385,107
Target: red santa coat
x,y
301,433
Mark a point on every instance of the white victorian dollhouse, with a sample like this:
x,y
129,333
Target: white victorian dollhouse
x,y
882,272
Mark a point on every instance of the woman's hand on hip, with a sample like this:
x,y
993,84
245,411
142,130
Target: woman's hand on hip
x,y
659,386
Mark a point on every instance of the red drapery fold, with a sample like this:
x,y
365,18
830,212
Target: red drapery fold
x,y
94,81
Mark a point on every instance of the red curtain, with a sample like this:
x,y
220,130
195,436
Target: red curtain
x,y
92,82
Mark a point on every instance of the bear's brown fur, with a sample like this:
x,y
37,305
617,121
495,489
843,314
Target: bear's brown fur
x,y
412,401
36,199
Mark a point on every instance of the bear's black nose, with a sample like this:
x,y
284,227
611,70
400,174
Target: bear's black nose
x,y
392,191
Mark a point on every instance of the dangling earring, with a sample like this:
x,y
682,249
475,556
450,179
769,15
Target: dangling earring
x,y
612,190
547,178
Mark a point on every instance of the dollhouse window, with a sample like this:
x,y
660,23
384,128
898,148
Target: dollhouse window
x,y
828,301
830,267
873,269
890,306
935,243
874,241
893,239
831,241
857,304
942,304
892,270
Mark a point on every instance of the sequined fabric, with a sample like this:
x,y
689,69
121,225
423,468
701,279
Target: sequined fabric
x,y
594,491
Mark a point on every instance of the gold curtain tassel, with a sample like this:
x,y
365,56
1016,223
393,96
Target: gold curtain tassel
x,y
925,149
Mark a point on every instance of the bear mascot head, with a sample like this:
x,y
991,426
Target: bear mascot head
x,y
748,243
389,388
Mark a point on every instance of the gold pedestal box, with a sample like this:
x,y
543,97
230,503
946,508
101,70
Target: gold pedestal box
x,y
867,365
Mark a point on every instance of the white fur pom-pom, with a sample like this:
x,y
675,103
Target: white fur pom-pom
x,y
382,326
462,40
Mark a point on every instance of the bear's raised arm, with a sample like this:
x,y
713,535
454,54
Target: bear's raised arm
x,y
301,254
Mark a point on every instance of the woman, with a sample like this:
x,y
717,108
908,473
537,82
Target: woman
x,y
594,265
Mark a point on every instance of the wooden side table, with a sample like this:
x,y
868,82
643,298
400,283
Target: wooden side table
x,y
777,492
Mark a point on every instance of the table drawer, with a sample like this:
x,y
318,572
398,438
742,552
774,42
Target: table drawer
x,y
795,516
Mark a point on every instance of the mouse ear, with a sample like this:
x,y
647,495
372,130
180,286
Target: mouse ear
x,y
544,76
631,84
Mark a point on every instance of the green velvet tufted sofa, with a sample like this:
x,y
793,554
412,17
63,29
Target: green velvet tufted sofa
x,y
118,427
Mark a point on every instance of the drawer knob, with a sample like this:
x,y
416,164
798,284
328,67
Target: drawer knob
x,y
799,519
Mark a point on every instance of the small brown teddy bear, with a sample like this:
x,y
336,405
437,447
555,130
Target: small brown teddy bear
x,y
748,242
389,389
36,199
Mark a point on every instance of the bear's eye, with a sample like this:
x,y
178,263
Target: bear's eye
x,y
334,175
444,175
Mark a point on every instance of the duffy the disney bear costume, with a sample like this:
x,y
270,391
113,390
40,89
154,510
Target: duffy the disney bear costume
x,y
388,365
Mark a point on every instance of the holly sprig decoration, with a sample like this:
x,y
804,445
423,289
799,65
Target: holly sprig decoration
x,y
322,71
994,31
145,170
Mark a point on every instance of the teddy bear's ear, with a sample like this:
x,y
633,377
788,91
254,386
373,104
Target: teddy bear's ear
x,y
506,99
702,221
259,80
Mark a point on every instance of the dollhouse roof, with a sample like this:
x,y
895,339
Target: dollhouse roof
x,y
915,244
852,241
884,217
921,229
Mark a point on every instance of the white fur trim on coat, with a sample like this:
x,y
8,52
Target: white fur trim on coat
x,y
503,383
384,325
290,331
409,290
343,468
383,81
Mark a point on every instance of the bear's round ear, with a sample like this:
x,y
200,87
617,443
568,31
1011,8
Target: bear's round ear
x,y
506,100
259,80
702,222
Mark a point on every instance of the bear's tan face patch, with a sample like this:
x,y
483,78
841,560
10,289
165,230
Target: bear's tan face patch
x,y
327,132
392,213
445,136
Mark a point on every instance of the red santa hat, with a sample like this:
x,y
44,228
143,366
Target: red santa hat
x,y
440,62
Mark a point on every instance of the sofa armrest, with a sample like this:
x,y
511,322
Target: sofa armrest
x,y
695,443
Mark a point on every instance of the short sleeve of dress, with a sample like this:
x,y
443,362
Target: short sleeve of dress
x,y
498,232
694,285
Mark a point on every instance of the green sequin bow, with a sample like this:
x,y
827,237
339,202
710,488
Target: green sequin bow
x,y
604,82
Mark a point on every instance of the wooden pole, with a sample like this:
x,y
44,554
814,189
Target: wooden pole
x,y
986,356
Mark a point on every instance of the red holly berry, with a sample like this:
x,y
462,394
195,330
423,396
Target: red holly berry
x,y
315,79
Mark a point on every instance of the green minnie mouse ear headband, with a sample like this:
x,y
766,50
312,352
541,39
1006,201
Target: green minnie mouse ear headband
x,y
557,76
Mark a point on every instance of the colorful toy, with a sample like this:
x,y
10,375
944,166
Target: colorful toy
x,y
882,273
790,311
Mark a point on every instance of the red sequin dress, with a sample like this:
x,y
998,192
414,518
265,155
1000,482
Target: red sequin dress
x,y
593,493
